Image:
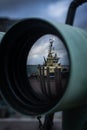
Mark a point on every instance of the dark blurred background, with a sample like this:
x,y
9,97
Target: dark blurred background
x,y
12,11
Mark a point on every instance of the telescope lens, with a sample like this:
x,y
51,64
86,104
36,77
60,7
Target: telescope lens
x,y
48,67
35,66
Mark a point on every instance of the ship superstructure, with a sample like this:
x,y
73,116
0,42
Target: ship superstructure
x,y
51,61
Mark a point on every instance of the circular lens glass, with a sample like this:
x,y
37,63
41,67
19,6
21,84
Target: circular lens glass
x,y
48,66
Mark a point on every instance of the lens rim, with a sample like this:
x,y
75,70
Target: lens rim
x,y
13,54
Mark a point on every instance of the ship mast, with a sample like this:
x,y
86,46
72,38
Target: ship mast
x,y
51,60
50,47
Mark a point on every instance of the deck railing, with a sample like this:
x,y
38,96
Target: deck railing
x,y
47,81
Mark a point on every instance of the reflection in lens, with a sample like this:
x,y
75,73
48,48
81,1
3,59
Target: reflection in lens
x,y
48,67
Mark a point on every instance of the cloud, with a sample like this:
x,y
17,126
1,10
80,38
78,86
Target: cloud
x,y
58,10
47,9
9,5
31,8
41,47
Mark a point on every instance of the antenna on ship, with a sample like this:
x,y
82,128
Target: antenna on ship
x,y
50,46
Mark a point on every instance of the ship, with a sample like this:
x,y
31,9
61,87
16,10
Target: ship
x,y
51,61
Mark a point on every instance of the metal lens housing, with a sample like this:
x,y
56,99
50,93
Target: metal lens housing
x,y
15,84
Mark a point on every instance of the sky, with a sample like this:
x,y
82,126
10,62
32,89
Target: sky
x,y
46,9
55,10
40,50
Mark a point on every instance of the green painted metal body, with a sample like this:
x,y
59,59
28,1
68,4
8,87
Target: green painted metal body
x,y
76,91
75,119
75,94
75,40
73,103
1,35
